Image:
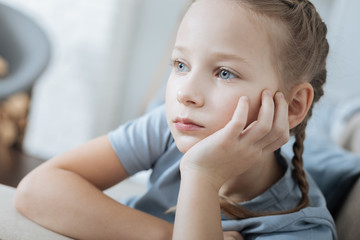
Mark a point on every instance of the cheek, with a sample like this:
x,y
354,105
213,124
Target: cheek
x,y
167,91
171,89
170,96
228,106
170,101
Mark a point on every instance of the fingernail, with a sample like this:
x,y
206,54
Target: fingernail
x,y
244,98
280,94
268,92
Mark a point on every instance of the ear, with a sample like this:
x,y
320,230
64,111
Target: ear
x,y
300,99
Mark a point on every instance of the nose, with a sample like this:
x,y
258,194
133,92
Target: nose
x,y
190,94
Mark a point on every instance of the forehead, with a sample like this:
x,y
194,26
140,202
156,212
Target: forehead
x,y
224,25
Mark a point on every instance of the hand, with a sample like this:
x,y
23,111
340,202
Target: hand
x,y
232,235
233,149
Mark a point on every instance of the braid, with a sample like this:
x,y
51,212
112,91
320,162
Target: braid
x,y
234,210
298,172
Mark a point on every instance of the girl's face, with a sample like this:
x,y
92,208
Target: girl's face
x,y
221,53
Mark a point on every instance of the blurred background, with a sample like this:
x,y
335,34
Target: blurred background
x,y
109,61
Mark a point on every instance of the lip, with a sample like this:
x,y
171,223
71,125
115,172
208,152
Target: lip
x,y
186,124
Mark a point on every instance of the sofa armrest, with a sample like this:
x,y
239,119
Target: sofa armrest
x,y
348,218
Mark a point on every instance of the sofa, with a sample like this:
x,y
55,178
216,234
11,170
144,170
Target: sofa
x,y
14,226
348,218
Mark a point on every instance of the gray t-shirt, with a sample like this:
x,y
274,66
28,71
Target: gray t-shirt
x,y
146,143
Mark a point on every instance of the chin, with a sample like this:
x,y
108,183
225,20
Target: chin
x,y
184,145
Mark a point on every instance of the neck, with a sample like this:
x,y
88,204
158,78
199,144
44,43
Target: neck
x,y
254,181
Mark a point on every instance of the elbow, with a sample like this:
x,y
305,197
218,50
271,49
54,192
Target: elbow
x,y
25,197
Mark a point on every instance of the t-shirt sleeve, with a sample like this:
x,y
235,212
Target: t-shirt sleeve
x,y
140,142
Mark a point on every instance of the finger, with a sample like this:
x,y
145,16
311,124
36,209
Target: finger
x,y
279,133
265,119
239,118
272,147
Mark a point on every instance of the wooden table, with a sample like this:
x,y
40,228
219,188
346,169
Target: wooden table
x,y
14,165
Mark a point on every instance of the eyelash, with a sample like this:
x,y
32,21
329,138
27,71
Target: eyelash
x,y
174,64
228,71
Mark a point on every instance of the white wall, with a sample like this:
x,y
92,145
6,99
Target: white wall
x,y
104,55
342,18
143,65
62,111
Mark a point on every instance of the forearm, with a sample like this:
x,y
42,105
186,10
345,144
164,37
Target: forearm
x,y
198,213
66,203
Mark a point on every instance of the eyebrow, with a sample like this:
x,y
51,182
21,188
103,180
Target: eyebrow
x,y
230,56
217,54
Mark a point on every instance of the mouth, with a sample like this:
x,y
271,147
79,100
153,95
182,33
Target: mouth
x,y
186,124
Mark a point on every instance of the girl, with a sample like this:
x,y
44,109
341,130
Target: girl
x,y
245,74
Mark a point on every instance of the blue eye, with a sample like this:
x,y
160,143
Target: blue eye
x,y
181,67
225,74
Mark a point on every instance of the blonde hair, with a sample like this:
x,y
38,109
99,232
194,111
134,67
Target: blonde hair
x,y
301,56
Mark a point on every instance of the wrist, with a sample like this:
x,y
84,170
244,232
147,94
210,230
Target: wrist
x,y
198,202
201,178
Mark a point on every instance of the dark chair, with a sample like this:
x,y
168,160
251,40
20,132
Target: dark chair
x,y
26,48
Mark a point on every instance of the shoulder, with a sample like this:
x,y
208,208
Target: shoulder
x,y
140,142
151,125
